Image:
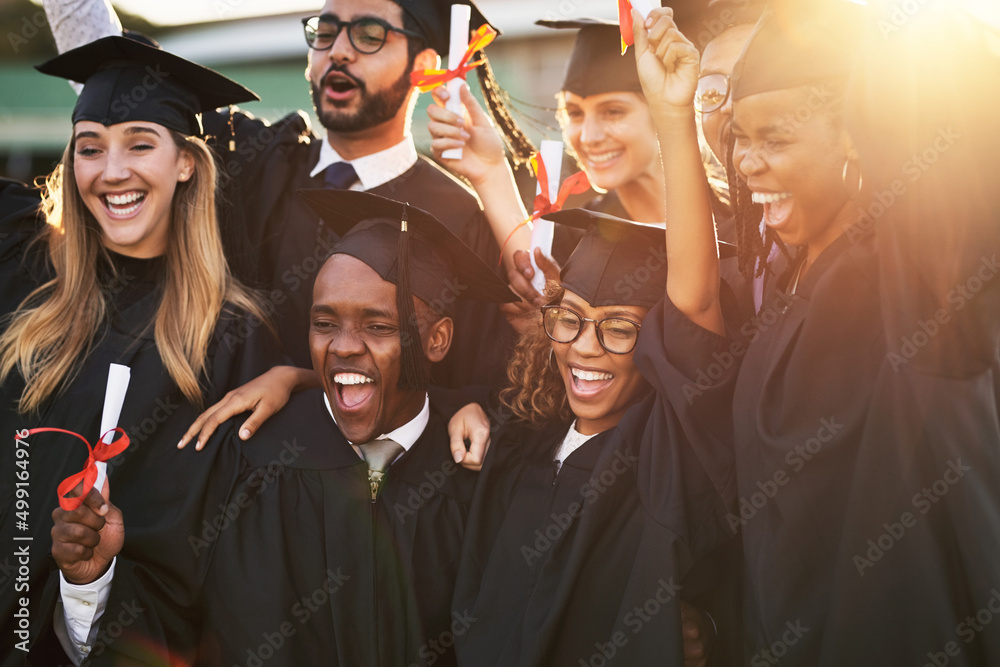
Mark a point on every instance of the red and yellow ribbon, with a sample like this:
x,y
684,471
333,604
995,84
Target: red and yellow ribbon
x,y
102,452
429,79
625,24
573,185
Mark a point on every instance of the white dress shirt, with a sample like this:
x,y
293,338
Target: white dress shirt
x,y
572,442
375,169
406,435
82,607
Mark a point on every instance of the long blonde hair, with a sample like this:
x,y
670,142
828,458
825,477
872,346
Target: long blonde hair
x,y
55,328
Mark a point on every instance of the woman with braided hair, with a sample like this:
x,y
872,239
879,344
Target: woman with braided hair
x,y
859,456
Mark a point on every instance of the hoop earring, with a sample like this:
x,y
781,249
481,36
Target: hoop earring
x,y
551,351
843,180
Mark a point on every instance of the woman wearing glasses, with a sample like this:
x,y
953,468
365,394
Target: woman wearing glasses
x,y
592,520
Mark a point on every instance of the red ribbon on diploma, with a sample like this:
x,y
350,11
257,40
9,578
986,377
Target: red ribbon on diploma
x,y
625,24
432,78
102,452
573,185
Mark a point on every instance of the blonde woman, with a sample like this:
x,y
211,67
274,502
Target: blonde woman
x,y
127,268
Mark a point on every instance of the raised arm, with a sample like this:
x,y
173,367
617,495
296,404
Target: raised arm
x,y
78,22
668,69
484,165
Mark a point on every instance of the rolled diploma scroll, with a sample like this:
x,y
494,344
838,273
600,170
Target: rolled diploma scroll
x,y
460,16
643,7
542,231
114,397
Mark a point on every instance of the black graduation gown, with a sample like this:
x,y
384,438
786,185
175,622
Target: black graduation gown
x,y
309,571
868,464
19,223
289,243
164,493
587,567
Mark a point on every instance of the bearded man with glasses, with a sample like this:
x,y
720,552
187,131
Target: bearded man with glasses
x,y
361,54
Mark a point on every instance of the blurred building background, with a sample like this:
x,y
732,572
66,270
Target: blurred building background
x,y
265,53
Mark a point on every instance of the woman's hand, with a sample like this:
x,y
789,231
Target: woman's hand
x,y
667,61
470,423
483,151
264,395
521,314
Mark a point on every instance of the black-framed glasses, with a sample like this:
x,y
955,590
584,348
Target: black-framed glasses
x,y
712,92
615,334
367,34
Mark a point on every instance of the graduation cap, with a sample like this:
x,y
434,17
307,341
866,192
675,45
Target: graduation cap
x,y
412,249
434,19
127,80
721,15
799,44
596,64
617,262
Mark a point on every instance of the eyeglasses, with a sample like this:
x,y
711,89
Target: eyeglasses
x,y
615,334
713,90
367,34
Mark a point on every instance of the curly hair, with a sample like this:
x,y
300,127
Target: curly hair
x,y
536,393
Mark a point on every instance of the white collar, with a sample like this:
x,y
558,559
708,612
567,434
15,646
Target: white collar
x,y
407,434
375,169
572,442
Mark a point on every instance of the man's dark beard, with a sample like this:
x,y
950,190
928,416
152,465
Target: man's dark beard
x,y
376,108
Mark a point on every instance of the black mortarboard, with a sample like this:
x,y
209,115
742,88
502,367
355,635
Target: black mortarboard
x,y
799,44
596,64
720,15
434,20
617,262
126,80
413,250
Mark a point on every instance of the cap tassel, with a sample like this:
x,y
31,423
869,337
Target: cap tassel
x,y
414,372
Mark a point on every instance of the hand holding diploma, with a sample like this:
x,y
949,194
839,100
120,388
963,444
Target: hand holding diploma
x,y
667,63
469,128
550,155
86,539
